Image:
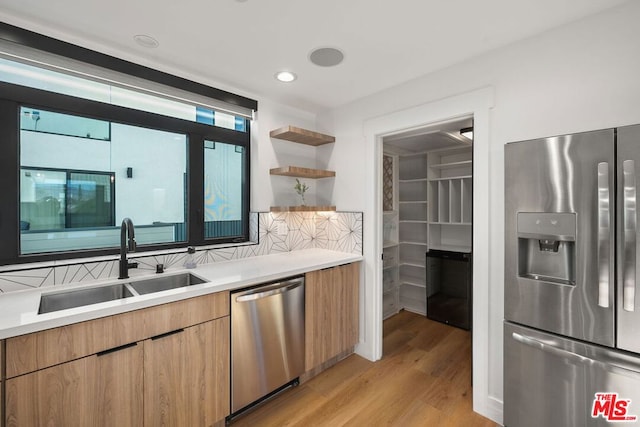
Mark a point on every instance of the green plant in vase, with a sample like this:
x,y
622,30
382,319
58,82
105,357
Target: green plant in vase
x,y
300,188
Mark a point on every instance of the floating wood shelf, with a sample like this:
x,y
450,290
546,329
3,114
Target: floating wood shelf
x,y
302,136
302,208
299,172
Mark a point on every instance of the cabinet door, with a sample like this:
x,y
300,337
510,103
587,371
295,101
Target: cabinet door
x,y
99,390
331,320
115,386
187,376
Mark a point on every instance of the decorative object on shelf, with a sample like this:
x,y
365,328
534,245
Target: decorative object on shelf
x,y
301,188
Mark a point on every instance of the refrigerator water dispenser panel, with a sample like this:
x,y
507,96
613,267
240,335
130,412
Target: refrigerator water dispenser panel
x,y
546,246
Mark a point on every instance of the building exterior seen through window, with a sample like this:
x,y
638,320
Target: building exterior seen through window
x,y
79,173
83,155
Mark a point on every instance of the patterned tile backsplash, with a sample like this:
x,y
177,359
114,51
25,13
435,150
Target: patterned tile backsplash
x,y
271,232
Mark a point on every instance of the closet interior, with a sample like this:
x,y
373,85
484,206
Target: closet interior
x,y
427,222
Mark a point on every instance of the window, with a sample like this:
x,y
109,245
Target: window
x,y
52,199
104,91
62,188
224,172
73,168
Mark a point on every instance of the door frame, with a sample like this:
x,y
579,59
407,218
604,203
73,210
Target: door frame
x,y
477,104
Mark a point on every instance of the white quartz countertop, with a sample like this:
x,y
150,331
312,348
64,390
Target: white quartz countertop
x,y
19,310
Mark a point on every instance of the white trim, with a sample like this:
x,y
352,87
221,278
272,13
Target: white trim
x,y
477,104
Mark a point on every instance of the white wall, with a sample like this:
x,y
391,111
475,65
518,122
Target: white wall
x,y
580,77
267,153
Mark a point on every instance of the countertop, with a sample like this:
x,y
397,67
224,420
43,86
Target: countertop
x,y
19,310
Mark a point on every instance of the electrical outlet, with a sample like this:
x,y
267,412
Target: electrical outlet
x,y
282,228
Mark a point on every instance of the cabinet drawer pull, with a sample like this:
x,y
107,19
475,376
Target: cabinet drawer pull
x,y
113,350
157,337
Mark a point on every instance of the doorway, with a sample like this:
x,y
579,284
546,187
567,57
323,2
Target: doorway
x,y
427,188
487,271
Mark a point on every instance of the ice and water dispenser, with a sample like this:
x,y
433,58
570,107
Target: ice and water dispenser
x,y
546,247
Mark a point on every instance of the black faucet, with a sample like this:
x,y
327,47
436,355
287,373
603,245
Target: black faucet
x,y
130,245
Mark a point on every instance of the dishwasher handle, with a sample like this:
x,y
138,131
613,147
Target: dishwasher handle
x,y
271,290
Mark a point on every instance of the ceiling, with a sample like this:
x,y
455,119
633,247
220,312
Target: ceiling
x,y
238,45
429,138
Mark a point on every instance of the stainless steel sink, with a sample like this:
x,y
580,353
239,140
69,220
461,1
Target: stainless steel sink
x,y
80,297
163,283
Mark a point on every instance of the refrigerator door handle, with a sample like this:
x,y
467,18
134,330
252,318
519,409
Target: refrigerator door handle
x,y
629,236
574,357
604,236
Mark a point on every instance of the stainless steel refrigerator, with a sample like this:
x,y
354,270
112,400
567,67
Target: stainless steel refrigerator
x,y
572,317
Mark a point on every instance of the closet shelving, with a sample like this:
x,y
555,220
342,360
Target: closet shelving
x,y
451,194
390,241
413,231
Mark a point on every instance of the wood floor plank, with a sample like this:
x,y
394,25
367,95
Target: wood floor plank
x,y
423,379
421,414
287,409
331,380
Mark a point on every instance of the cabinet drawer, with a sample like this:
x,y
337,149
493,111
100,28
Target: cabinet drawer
x,y
39,350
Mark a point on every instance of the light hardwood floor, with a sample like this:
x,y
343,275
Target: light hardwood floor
x,y
423,379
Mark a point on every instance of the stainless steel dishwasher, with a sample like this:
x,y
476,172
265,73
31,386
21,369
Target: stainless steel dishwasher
x,y
267,340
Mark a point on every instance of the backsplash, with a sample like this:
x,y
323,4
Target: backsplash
x,y
340,231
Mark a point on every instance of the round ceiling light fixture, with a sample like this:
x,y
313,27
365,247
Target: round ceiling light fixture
x,y
285,76
146,41
326,56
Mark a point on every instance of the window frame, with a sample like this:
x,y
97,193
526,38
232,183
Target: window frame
x,y
15,96
40,42
68,173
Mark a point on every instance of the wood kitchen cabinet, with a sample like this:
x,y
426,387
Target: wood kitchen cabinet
x,y
187,376
39,350
331,318
98,390
149,376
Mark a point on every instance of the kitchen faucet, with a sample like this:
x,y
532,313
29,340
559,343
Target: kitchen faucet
x,y
130,245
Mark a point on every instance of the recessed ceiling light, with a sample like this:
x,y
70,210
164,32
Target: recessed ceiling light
x,y
326,56
286,76
146,41
467,133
